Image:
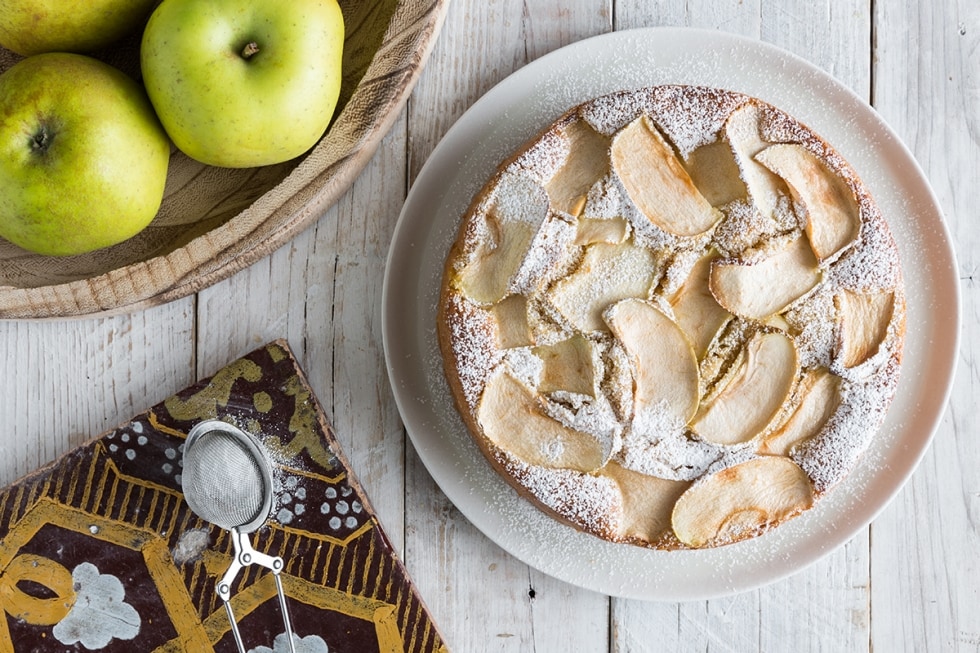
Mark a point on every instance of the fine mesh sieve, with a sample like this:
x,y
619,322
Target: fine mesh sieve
x,y
227,480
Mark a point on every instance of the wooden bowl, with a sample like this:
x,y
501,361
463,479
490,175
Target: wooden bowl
x,y
216,221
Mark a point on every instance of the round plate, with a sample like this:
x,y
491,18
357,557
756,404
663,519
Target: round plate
x,y
528,101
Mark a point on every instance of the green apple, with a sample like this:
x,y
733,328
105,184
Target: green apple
x,y
243,83
35,26
83,158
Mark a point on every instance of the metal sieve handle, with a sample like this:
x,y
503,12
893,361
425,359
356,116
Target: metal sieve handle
x,y
227,480
246,556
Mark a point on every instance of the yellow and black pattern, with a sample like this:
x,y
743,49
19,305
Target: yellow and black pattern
x,y
105,531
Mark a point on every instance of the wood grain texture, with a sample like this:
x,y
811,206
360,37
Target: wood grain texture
x,y
66,382
924,555
911,582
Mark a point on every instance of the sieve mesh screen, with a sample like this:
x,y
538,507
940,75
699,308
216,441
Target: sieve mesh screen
x,y
223,482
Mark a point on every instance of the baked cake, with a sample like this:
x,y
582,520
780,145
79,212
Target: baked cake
x,y
673,318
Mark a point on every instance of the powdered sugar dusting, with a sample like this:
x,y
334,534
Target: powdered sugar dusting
x,y
828,457
813,319
872,263
604,199
472,334
544,157
692,117
593,415
676,273
551,252
744,227
520,198
593,503
610,113
525,366
657,445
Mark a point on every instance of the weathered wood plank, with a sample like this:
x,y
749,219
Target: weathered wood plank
x,y
925,576
65,382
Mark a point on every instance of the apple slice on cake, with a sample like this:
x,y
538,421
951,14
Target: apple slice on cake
x,y
698,313
601,230
513,328
862,324
503,234
665,366
568,366
818,397
833,219
512,417
763,288
657,182
606,274
587,163
647,501
754,393
486,277
716,174
740,501
744,135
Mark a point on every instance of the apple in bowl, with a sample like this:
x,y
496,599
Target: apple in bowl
x,y
35,26
243,83
84,159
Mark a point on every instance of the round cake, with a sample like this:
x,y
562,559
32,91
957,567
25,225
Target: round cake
x,y
674,318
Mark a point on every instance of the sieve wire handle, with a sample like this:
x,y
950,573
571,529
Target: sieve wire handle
x,y
246,556
285,612
234,625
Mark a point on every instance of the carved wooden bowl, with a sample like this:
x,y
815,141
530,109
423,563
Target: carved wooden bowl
x,y
216,221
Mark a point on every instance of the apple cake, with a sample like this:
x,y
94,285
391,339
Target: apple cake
x,y
673,318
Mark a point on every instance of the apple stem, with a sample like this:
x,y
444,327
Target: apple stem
x,y
250,48
41,140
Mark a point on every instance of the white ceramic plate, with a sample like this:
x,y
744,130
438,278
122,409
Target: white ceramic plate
x,y
529,100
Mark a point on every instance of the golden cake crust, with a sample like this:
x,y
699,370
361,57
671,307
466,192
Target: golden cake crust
x,y
673,318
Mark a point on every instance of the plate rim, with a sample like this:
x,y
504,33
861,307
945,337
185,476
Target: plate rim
x,y
404,401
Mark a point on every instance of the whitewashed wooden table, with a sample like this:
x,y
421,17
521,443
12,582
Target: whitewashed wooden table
x,y
909,582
